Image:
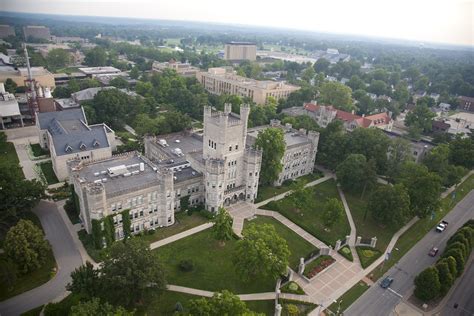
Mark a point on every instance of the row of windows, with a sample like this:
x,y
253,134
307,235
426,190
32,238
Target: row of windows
x,y
236,147
212,144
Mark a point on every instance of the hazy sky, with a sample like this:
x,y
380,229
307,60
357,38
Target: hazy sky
x,y
446,21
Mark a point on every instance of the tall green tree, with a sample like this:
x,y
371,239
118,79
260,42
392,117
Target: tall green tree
x,y
421,117
221,303
332,146
437,160
390,205
457,255
96,57
399,152
261,252
424,188
272,142
333,212
10,85
321,65
85,281
372,143
222,228
336,94
461,152
446,279
131,273
25,245
427,285
58,58
95,307
356,174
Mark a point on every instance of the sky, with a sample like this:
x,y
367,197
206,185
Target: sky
x,y
441,21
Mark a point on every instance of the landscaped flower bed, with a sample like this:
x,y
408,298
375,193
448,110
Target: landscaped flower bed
x,y
367,255
292,287
346,253
317,265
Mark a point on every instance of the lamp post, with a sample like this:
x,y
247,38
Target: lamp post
x,y
339,307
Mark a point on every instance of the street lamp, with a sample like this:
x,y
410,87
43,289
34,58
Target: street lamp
x,y
339,307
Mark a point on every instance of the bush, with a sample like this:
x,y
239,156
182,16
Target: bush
x,y
186,265
346,253
367,255
427,285
292,287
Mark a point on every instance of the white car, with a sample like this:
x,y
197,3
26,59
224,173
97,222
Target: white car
x,y
441,226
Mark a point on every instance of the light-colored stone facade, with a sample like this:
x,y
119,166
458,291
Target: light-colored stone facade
x,y
238,51
224,81
300,150
182,69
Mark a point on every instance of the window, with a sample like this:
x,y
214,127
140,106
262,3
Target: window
x,y
250,174
230,148
119,205
141,213
135,214
236,147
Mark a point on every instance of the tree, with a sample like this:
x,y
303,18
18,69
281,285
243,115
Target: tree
x,y
458,256
390,205
421,117
85,281
299,195
378,87
427,285
272,142
461,152
58,58
332,145
95,307
437,160
399,152
356,83
321,65
96,57
25,245
134,73
401,94
131,273
336,94
119,82
451,265
10,85
308,74
355,174
261,252
446,279
372,143
222,228
333,212
221,303
424,188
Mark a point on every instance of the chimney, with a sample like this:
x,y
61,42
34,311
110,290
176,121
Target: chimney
x,y
47,93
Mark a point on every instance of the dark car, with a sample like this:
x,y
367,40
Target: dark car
x,y
433,251
386,282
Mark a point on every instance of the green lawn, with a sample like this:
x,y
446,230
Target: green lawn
x,y
182,222
423,226
47,169
8,152
367,255
38,151
368,227
310,217
213,267
346,253
269,191
31,280
298,246
349,297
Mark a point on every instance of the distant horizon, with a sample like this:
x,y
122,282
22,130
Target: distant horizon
x,y
446,22
360,37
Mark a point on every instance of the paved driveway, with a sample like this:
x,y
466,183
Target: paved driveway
x,y
67,258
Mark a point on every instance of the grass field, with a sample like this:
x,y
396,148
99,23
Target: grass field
x,y
47,169
298,246
30,280
368,227
213,266
349,297
7,151
310,217
367,255
422,226
269,191
38,151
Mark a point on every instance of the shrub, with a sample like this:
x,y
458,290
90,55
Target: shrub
x,y
292,287
427,285
346,253
367,255
186,265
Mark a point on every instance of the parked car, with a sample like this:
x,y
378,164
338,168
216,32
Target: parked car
x,y
441,226
386,282
433,252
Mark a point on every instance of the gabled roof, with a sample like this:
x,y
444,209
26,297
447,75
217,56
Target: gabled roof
x,y
380,118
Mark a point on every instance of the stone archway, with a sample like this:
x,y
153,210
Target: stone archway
x,y
227,202
235,198
241,196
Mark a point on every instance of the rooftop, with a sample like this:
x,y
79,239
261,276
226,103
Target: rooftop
x,y
240,43
67,103
99,70
292,137
175,147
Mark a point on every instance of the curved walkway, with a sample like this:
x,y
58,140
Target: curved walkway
x,y
67,258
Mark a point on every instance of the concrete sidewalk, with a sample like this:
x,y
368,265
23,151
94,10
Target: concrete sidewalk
x,y
352,238
181,235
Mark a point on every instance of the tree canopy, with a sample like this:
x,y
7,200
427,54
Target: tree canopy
x,y
272,142
390,205
356,174
336,94
222,228
221,303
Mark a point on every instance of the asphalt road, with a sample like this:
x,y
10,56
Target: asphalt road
x,y
379,302
67,259
463,295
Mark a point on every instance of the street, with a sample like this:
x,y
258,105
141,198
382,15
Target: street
x,y
463,295
67,259
377,301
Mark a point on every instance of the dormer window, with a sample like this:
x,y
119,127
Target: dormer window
x,y
68,149
83,146
96,143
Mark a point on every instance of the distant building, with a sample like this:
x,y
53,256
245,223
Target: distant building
x,y
300,150
440,126
68,136
223,81
237,51
94,71
65,104
9,108
6,30
37,32
41,75
466,103
182,69
331,54
419,148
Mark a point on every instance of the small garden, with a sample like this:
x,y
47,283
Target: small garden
x,y
293,288
346,253
48,172
37,151
310,215
367,255
61,193
295,308
317,265
299,247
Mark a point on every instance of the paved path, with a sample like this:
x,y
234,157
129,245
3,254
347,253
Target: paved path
x,y
67,259
451,189
377,301
181,235
352,236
